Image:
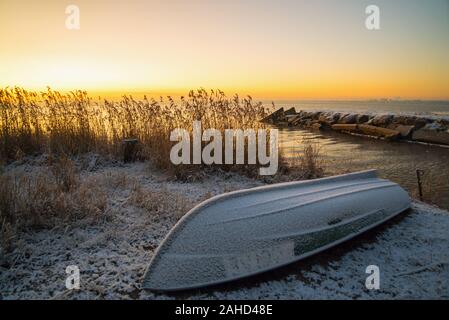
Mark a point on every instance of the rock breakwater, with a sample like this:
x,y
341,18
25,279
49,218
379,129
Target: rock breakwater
x,y
386,126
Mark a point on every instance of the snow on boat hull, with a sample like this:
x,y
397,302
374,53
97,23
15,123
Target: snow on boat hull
x,y
246,232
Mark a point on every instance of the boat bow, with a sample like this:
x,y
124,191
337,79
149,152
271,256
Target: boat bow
x,y
246,232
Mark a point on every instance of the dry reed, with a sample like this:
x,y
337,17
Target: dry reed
x,y
70,124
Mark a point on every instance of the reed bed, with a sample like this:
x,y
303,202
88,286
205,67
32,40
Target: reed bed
x,y
308,162
74,123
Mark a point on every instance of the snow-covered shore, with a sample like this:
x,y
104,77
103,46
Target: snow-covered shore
x,y
113,251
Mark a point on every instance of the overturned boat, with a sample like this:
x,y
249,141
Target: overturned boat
x,y
246,232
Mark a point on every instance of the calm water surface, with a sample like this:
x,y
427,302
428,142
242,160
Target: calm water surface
x,y
397,161
423,107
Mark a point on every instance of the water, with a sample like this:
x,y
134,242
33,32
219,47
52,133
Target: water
x,y
396,161
423,107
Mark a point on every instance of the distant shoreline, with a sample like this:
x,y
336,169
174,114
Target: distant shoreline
x,y
432,108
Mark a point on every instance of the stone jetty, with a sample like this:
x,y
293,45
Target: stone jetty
x,y
386,126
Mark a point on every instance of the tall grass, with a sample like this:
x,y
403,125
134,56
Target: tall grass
x,y
308,162
73,123
312,162
46,197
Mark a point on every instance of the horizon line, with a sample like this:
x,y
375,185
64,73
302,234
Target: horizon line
x,y
178,92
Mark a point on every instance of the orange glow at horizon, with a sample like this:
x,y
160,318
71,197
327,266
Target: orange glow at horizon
x,y
268,49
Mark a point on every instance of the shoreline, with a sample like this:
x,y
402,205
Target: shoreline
x,y
388,126
114,249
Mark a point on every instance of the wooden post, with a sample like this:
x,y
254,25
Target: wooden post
x,y
418,176
129,150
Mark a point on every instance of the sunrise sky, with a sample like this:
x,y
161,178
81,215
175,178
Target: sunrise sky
x,y
270,49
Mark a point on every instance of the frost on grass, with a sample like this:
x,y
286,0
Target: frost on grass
x,y
111,246
114,249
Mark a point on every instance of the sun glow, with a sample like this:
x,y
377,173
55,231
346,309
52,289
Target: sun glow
x,y
66,74
272,49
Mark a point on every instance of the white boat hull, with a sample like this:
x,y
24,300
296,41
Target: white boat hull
x,y
246,232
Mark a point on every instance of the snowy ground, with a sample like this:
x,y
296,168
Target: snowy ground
x,y
113,252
